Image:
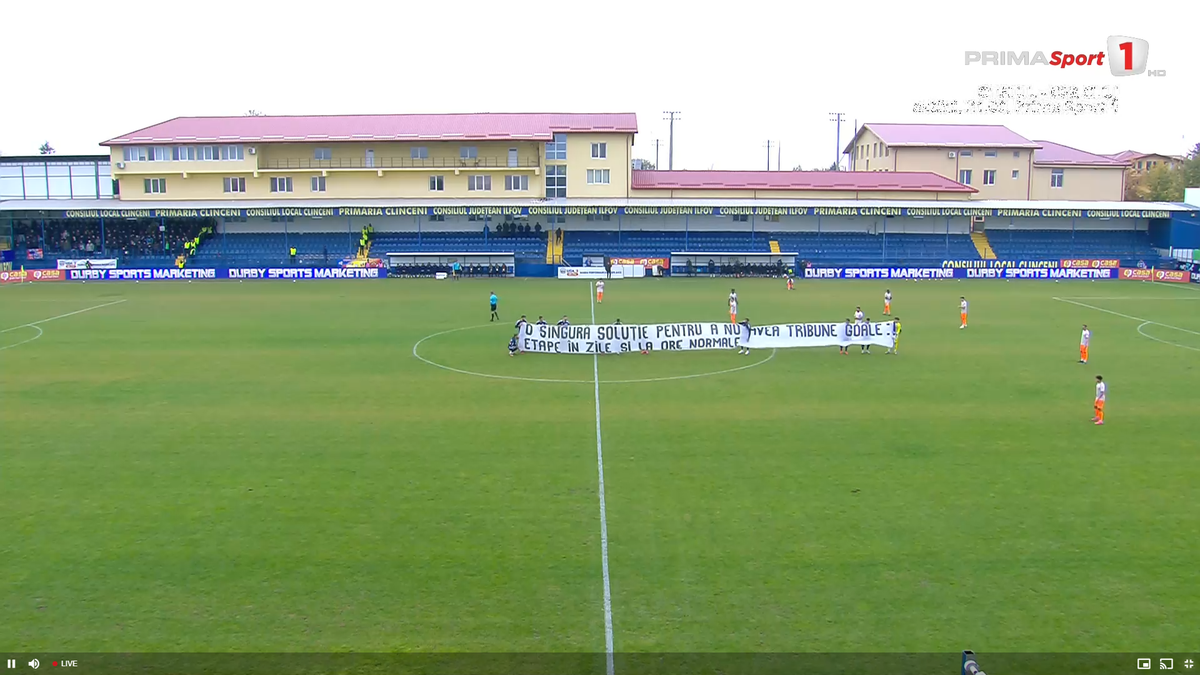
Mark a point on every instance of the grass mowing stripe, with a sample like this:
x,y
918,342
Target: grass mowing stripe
x,y
608,622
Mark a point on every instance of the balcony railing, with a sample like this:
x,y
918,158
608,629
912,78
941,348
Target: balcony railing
x,y
403,163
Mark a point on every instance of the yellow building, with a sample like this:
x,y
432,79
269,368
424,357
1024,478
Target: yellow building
x,y
1141,162
999,163
448,157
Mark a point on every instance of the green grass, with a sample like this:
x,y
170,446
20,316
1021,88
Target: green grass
x,y
266,467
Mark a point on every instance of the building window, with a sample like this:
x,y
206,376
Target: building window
x,y
231,152
155,186
479,183
989,176
283,219
235,184
135,154
1139,166
323,154
468,152
318,183
281,184
439,218
1016,174
964,176
741,218
557,148
597,176
184,153
516,183
419,152
160,153
599,150
599,216
991,153
1056,178
556,220
556,181
964,153
437,183
887,151
207,153
1016,154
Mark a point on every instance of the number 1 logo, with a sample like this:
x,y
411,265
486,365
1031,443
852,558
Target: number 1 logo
x,y
1127,55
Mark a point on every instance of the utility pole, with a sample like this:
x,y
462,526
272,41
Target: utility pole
x,y
768,155
837,158
672,117
657,143
779,156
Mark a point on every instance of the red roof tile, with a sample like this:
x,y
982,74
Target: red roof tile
x,y
326,128
1124,155
946,135
1059,154
832,181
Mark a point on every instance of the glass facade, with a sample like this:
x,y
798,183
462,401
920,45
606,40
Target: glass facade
x,y
50,177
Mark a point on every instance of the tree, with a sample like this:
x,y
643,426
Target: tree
x,y
646,164
46,149
834,167
797,168
253,113
1160,184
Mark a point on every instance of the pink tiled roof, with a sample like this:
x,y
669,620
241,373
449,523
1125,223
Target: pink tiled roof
x,y
1059,154
325,128
946,136
833,181
1124,155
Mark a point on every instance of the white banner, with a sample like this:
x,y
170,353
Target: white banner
x,y
89,264
618,339
589,273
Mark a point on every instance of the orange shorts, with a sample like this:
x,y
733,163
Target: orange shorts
x,y
1099,404
963,317
599,295
1083,352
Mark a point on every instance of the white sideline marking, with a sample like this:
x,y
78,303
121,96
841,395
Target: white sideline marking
x,y
1145,322
608,621
1124,297
63,316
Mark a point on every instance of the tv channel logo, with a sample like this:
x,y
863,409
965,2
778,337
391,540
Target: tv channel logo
x,y
1128,56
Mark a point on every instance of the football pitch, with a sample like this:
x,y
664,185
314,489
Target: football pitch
x,y
360,466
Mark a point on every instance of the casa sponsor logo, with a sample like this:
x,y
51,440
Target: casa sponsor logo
x,y
1089,263
1123,56
1137,274
31,275
1171,276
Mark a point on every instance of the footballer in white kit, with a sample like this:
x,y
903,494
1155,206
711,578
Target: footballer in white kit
x,y
733,300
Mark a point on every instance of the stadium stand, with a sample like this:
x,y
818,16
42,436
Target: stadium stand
x,y
1128,245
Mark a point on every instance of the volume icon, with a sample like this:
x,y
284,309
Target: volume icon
x,y
34,664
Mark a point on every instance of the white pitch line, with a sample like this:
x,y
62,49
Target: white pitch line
x,y
62,316
18,344
1145,322
608,620
1126,297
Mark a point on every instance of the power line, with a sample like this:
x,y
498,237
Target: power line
x,y
672,117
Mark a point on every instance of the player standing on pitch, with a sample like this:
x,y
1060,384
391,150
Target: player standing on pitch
x,y
742,348
962,311
887,302
1085,340
732,305
494,300
1101,395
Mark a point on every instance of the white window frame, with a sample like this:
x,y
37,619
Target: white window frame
x,y
235,184
281,184
1016,154
322,154
964,153
741,218
556,149
599,177
989,173
419,152
468,152
159,153
437,183
516,183
135,153
556,181
317,184
964,173
1016,174
1058,174
991,153
155,186
207,153
479,183
185,153
599,150
232,153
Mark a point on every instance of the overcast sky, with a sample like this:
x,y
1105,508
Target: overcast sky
x,y
78,73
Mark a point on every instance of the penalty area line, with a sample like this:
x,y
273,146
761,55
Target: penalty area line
x,y
33,324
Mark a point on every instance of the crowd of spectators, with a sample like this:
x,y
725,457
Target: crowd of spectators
x,y
122,238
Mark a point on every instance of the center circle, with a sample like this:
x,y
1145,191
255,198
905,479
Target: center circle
x,y
563,381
